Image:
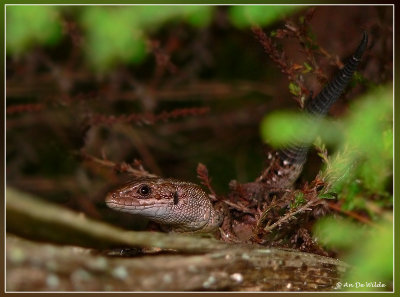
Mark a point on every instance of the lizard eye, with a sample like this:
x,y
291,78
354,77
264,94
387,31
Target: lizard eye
x,y
144,190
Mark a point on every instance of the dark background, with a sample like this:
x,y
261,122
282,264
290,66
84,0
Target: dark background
x,y
60,106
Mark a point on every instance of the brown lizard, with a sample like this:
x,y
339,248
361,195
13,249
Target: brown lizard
x,y
182,205
185,207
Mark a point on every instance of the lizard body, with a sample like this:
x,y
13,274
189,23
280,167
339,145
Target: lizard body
x,y
187,208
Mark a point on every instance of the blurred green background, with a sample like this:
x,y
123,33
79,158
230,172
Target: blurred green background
x,y
76,73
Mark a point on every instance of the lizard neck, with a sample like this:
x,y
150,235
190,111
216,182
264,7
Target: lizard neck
x,y
197,214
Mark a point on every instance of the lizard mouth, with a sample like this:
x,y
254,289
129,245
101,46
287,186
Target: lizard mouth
x,y
119,202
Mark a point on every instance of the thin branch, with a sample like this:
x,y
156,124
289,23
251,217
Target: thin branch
x,y
290,214
122,167
148,118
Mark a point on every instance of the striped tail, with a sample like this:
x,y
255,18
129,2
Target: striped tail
x,y
320,105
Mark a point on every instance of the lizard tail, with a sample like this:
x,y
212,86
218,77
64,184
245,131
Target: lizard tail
x,y
332,91
320,105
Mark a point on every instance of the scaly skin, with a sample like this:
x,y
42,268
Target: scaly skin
x,y
185,207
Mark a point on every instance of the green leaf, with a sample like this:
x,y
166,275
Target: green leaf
x,y
329,195
262,15
294,89
369,250
307,67
112,37
280,128
199,16
28,26
372,261
118,34
338,233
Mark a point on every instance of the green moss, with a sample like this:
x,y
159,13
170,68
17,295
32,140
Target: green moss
x,y
298,200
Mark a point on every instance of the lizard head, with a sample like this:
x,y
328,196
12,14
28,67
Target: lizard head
x,y
165,201
140,194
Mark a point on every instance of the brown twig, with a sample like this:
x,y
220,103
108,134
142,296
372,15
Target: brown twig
x,y
122,167
202,174
290,215
241,208
20,108
289,69
148,118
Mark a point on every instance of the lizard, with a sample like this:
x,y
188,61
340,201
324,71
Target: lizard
x,y
186,207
